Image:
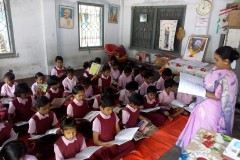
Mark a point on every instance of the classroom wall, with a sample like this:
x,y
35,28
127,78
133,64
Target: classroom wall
x,y
189,22
38,38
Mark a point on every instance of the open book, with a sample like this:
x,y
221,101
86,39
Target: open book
x,y
124,135
147,110
86,153
90,116
18,124
58,102
93,97
48,132
233,150
42,87
9,140
6,100
192,85
94,69
177,103
190,107
146,129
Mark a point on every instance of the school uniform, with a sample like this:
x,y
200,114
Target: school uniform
x,y
65,148
104,82
88,92
160,84
163,97
123,80
139,79
68,84
22,108
34,88
29,157
105,126
86,73
115,74
156,118
51,93
130,116
124,96
58,71
39,123
143,88
6,131
7,90
78,109
184,97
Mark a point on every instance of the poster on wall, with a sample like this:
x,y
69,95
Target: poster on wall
x,y
167,34
66,17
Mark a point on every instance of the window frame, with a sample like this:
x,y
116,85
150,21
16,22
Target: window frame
x,y
7,10
175,53
92,47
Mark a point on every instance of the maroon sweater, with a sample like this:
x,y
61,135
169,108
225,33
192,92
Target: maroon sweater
x,y
147,105
106,82
23,112
60,71
5,133
70,150
80,111
108,129
44,124
55,95
132,121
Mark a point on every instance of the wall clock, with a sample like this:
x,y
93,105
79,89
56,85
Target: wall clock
x,y
203,7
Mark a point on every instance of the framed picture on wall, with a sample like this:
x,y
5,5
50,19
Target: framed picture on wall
x,y
66,17
113,13
196,47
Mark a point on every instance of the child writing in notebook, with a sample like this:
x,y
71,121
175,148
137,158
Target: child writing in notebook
x,y
59,70
166,97
151,101
36,90
105,80
130,113
55,91
70,81
166,74
148,79
126,93
105,127
140,77
20,109
8,88
125,77
78,108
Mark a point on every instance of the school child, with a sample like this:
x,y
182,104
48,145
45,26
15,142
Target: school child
x,y
130,113
126,93
125,77
71,143
16,150
105,126
70,81
98,60
59,70
166,97
86,83
6,130
115,73
78,108
20,109
148,79
86,66
140,77
112,59
151,101
8,88
55,91
166,74
39,78
44,119
105,80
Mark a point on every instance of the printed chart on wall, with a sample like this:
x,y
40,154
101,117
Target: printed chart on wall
x,y
167,34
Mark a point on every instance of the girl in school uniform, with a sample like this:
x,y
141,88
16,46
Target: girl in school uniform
x,y
151,101
16,150
125,77
105,127
140,77
126,93
148,79
59,70
166,74
115,73
105,80
69,82
20,109
54,88
39,78
8,88
87,87
78,108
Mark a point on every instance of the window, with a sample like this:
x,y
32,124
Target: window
x,y
6,33
146,35
90,25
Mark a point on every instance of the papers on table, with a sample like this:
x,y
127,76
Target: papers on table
x,y
94,69
190,62
191,84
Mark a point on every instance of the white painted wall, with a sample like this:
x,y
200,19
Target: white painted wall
x,y
189,24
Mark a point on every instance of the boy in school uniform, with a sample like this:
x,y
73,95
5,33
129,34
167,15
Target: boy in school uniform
x,y
59,70
105,127
166,74
70,81
140,77
8,88
148,79
55,91
125,94
125,77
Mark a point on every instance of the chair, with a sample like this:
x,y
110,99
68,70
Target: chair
x,y
118,51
